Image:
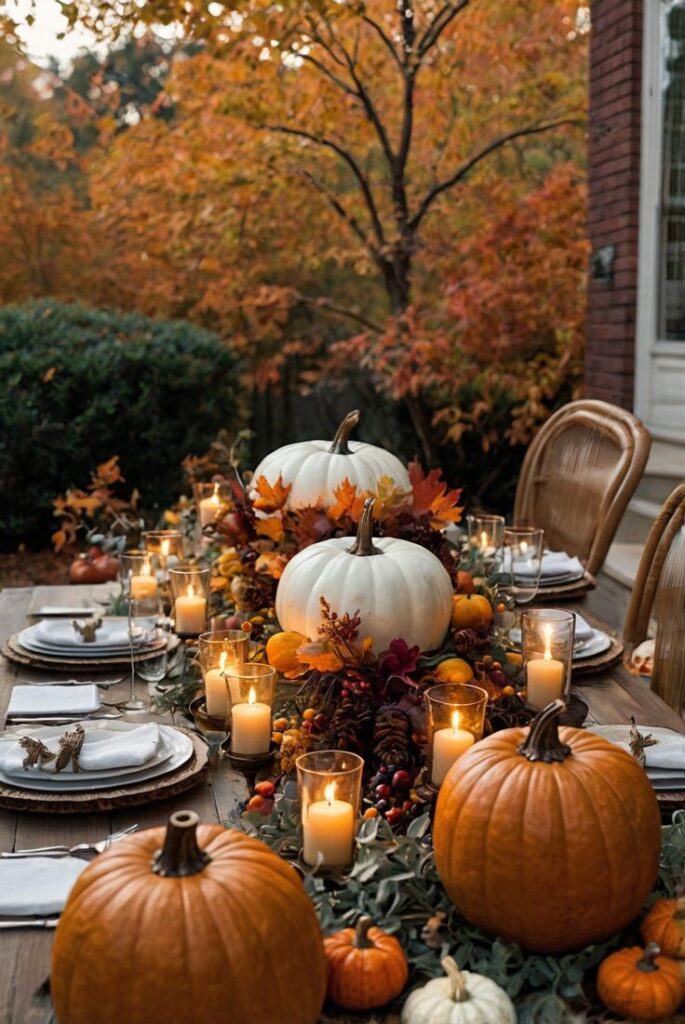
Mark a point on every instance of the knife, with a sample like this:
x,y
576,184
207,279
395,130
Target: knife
x,y
29,922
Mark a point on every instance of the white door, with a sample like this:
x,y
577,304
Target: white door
x,y
660,346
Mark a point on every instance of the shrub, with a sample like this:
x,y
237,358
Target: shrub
x,y
80,385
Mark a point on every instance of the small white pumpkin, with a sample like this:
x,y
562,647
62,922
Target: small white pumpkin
x,y
315,468
461,998
400,589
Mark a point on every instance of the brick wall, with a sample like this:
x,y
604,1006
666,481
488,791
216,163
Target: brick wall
x,y
614,185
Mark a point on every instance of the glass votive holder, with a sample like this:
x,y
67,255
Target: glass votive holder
x,y
547,637
486,533
250,689
455,714
219,651
190,592
139,581
209,499
167,547
329,786
522,562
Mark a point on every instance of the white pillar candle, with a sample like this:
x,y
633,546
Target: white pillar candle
x,y
144,585
250,727
544,676
190,612
209,507
448,745
328,830
215,689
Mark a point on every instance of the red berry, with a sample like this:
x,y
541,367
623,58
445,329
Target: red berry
x,y
394,815
383,792
407,805
498,677
381,805
320,722
344,692
401,779
364,685
265,788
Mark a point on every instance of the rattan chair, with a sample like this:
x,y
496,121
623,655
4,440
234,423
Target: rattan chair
x,y
578,476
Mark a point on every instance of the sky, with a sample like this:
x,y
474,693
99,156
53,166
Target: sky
x,y
41,39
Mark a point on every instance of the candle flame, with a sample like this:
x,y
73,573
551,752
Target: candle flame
x,y
145,570
483,539
222,660
191,590
252,697
524,547
329,792
215,496
547,633
455,720
165,547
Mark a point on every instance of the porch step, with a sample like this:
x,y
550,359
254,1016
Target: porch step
x,y
637,520
615,583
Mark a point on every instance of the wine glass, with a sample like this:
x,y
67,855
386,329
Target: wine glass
x,y
141,590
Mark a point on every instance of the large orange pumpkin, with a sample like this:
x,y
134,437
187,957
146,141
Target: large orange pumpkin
x,y
549,839
471,611
214,927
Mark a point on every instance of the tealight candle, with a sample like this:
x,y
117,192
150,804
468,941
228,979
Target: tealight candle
x,y
209,507
448,745
144,585
545,675
215,688
328,830
190,613
250,727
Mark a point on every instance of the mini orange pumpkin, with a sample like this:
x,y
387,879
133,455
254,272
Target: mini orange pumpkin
x,y
454,670
640,983
212,927
471,611
281,653
366,966
664,924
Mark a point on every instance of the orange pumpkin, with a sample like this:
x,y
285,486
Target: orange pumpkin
x,y
640,983
471,611
366,966
454,670
664,924
464,582
214,926
281,653
535,835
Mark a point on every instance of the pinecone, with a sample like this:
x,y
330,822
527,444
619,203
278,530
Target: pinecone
x,y
392,736
351,724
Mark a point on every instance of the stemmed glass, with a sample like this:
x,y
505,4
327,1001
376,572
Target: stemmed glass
x,y
519,572
485,533
141,591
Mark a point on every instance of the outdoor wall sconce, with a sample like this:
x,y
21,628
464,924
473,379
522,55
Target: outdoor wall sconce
x,y
602,263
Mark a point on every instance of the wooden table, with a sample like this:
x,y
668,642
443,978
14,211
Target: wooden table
x,y
613,696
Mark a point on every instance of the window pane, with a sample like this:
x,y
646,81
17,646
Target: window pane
x,y
672,238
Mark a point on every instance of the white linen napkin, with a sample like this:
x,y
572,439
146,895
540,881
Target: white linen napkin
x,y
668,753
37,885
102,749
584,630
558,563
112,633
50,700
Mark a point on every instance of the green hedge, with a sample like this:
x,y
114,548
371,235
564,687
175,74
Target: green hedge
x,y
80,385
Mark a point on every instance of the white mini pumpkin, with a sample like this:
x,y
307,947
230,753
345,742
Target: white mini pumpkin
x,y
460,998
315,468
400,589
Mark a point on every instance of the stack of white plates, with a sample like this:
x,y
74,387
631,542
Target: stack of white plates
x,y
665,758
135,753
559,568
57,638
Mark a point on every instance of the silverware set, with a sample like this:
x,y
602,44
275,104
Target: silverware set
x,y
84,850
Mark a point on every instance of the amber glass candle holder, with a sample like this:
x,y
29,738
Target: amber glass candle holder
x,y
190,592
455,716
547,637
219,651
329,784
486,534
250,689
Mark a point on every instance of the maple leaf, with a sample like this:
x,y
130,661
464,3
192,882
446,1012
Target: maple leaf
x,y
271,497
346,496
271,527
320,655
388,498
431,497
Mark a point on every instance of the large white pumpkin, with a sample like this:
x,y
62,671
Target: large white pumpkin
x,y
400,589
316,468
461,998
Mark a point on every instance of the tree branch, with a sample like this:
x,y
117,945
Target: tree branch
x,y
467,167
442,19
345,215
330,75
387,41
347,157
332,307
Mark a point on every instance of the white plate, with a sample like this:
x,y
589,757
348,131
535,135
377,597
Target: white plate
x,y
597,644
102,730
181,747
557,581
28,639
61,633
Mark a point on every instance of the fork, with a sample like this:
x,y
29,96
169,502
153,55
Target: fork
x,y
81,850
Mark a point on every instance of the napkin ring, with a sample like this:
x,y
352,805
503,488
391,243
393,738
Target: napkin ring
x,y
87,629
69,748
37,752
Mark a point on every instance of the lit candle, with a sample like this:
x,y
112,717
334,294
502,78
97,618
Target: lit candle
x,y
250,727
483,540
328,829
215,689
144,585
209,507
545,675
448,745
190,613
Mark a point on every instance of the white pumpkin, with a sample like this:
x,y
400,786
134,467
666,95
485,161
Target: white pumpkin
x,y
315,468
461,998
400,589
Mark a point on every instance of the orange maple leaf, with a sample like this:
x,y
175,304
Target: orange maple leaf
x,y
271,497
346,496
321,655
431,497
271,527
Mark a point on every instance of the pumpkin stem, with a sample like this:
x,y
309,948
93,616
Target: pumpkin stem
x,y
364,544
180,856
459,992
342,434
542,742
361,933
646,962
